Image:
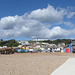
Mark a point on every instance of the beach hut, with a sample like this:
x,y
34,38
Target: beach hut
x,y
68,48
7,50
31,50
26,51
27,48
35,50
22,51
18,50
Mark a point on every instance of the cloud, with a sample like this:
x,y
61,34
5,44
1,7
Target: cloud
x,y
70,14
35,24
58,32
69,24
49,14
8,22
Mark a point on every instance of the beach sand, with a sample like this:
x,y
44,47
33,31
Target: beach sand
x,y
32,63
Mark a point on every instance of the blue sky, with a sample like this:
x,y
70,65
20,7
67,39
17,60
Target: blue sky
x,y
19,7
37,19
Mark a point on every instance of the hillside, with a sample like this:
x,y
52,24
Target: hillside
x,y
9,43
66,41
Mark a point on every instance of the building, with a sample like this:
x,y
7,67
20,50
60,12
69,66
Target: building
x,y
61,44
73,46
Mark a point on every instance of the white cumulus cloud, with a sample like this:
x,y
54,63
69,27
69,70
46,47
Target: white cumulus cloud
x,y
35,24
49,14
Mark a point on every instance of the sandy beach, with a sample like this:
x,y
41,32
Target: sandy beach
x,y
32,63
